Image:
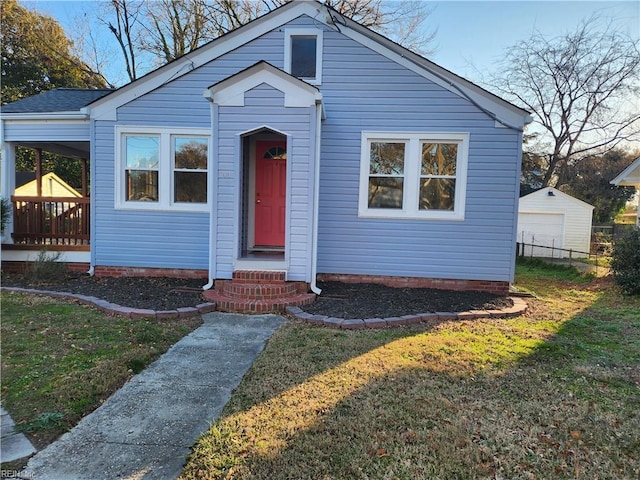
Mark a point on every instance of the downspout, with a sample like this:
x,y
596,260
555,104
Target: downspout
x,y
213,174
92,197
316,196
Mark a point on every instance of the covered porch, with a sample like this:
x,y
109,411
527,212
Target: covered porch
x,y
48,211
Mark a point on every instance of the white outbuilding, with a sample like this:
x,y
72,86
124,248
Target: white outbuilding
x,y
556,224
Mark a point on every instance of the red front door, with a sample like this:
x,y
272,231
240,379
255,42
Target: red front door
x,y
270,201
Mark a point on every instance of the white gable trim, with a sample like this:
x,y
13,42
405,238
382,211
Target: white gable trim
x,y
230,92
630,176
105,108
499,109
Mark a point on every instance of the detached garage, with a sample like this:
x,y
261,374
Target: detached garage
x,y
553,222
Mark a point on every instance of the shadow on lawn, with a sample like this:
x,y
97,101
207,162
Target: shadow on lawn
x,y
531,397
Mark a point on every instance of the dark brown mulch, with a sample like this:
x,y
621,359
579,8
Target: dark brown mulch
x,y
337,300
344,300
135,292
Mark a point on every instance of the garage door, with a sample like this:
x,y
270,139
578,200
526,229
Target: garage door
x,y
544,229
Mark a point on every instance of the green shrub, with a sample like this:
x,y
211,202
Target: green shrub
x,y
46,268
44,421
625,262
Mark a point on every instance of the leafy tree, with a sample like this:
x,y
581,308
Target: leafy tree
x,y
36,55
578,88
533,167
589,180
625,262
69,169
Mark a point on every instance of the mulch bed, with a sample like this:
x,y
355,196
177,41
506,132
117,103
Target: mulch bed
x,y
357,300
155,293
337,300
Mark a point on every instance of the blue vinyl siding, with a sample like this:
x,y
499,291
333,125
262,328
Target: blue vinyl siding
x,y
362,91
141,238
16,131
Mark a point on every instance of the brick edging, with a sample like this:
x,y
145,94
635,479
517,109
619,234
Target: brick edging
x,y
119,310
519,307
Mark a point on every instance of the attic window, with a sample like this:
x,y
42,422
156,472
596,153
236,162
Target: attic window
x,y
303,54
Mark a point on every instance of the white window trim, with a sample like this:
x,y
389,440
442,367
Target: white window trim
x,y
165,169
413,141
309,32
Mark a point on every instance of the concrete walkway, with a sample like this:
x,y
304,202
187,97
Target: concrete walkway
x,y
13,445
146,429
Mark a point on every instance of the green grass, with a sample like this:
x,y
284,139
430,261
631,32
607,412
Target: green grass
x,y
61,360
552,394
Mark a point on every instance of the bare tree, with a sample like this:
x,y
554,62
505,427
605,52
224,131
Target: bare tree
x,y
124,27
582,89
175,27
401,21
88,46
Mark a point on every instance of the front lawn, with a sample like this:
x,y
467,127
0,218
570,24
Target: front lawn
x,y
61,360
552,394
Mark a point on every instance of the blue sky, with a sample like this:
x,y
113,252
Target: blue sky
x,y
471,35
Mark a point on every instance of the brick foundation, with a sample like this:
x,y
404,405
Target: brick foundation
x,y
103,271
20,267
499,288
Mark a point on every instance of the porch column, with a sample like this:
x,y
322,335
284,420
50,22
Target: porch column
x,y
8,178
85,190
39,172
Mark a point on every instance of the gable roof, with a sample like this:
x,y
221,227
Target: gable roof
x,y
554,194
230,91
502,111
58,100
630,176
52,186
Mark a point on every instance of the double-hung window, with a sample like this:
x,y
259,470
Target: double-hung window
x,y
303,54
413,175
161,168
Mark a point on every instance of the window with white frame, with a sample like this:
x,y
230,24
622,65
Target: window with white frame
x,y
303,54
413,175
160,168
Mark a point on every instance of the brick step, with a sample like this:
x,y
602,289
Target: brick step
x,y
225,303
257,276
259,291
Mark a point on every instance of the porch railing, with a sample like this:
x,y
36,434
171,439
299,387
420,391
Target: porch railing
x,y
51,220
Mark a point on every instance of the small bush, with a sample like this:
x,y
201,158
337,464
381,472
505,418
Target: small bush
x,y
625,262
46,268
44,421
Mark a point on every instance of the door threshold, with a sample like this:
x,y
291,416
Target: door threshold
x,y
259,249
270,263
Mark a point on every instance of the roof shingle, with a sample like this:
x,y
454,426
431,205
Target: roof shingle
x,y
58,100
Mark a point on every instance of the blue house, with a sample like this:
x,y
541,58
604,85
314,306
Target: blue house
x,y
299,147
